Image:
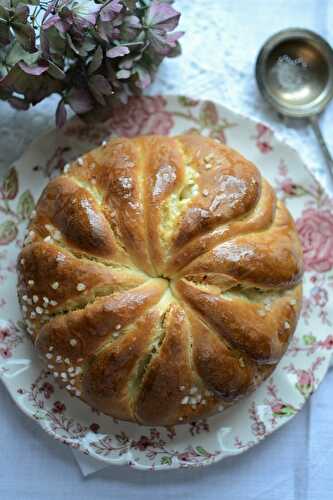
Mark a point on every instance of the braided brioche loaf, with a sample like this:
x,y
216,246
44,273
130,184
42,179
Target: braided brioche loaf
x,y
160,279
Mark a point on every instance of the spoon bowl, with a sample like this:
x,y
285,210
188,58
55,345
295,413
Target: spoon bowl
x,y
294,72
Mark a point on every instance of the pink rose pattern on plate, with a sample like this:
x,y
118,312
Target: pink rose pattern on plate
x,y
143,116
70,421
316,231
263,138
140,116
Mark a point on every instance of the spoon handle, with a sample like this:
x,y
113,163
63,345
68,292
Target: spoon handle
x,y
328,157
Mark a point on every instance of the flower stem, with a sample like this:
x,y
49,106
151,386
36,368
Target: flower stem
x,y
188,116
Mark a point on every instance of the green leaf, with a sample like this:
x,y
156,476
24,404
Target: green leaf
x,y
4,93
59,60
309,339
289,410
96,60
56,40
55,71
4,14
25,205
25,34
72,46
21,13
88,45
176,50
17,53
201,451
166,460
305,390
34,88
4,33
10,184
8,232
29,2
187,102
100,83
299,191
285,411
130,4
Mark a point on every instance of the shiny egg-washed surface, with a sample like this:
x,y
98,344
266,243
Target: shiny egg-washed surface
x,y
160,278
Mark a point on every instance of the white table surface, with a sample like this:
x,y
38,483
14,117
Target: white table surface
x,y
295,463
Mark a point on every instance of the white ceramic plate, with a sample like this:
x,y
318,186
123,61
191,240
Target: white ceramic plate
x,y
276,401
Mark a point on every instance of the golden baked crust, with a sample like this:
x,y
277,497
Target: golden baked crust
x,y
160,279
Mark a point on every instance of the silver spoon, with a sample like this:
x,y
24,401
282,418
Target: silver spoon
x,y
294,72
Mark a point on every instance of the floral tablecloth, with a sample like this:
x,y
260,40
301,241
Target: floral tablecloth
x,y
295,463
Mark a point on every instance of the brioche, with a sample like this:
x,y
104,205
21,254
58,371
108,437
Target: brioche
x,y
160,279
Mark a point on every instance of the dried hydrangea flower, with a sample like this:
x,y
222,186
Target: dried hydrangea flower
x,y
91,52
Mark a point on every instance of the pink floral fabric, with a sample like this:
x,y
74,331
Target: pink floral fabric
x,y
316,231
